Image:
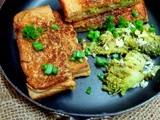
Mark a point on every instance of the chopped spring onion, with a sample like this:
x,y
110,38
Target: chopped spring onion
x,y
87,51
49,69
78,55
152,29
110,19
135,13
31,32
38,46
115,56
109,24
138,24
122,23
101,62
93,35
115,33
55,27
100,76
133,29
88,91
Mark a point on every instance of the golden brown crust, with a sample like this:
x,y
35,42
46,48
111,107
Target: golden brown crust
x,y
38,84
31,60
75,10
97,21
70,44
38,94
36,16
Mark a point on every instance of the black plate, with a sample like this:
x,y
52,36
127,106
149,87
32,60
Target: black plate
x,y
76,103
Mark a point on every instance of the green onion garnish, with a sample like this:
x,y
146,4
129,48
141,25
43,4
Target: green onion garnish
x,y
133,29
122,23
88,91
152,29
110,19
87,51
93,35
109,24
55,27
49,69
115,56
115,33
100,76
135,13
78,55
31,32
38,46
101,62
138,24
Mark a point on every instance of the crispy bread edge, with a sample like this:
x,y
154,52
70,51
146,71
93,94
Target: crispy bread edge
x,y
87,8
38,94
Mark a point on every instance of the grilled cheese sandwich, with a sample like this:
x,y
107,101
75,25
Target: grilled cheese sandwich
x,y
55,52
97,21
75,10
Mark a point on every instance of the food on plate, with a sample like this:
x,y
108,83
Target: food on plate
x,y
126,73
124,49
70,44
139,38
130,13
52,58
45,52
75,10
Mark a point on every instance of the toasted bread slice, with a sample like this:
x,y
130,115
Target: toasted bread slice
x,y
70,44
126,12
75,10
38,84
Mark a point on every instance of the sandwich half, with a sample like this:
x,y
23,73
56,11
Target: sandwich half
x,y
70,44
75,10
97,21
41,25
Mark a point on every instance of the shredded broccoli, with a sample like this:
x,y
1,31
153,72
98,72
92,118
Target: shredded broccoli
x,y
143,41
125,74
134,40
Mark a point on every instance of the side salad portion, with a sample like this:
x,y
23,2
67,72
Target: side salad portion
x,y
125,50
